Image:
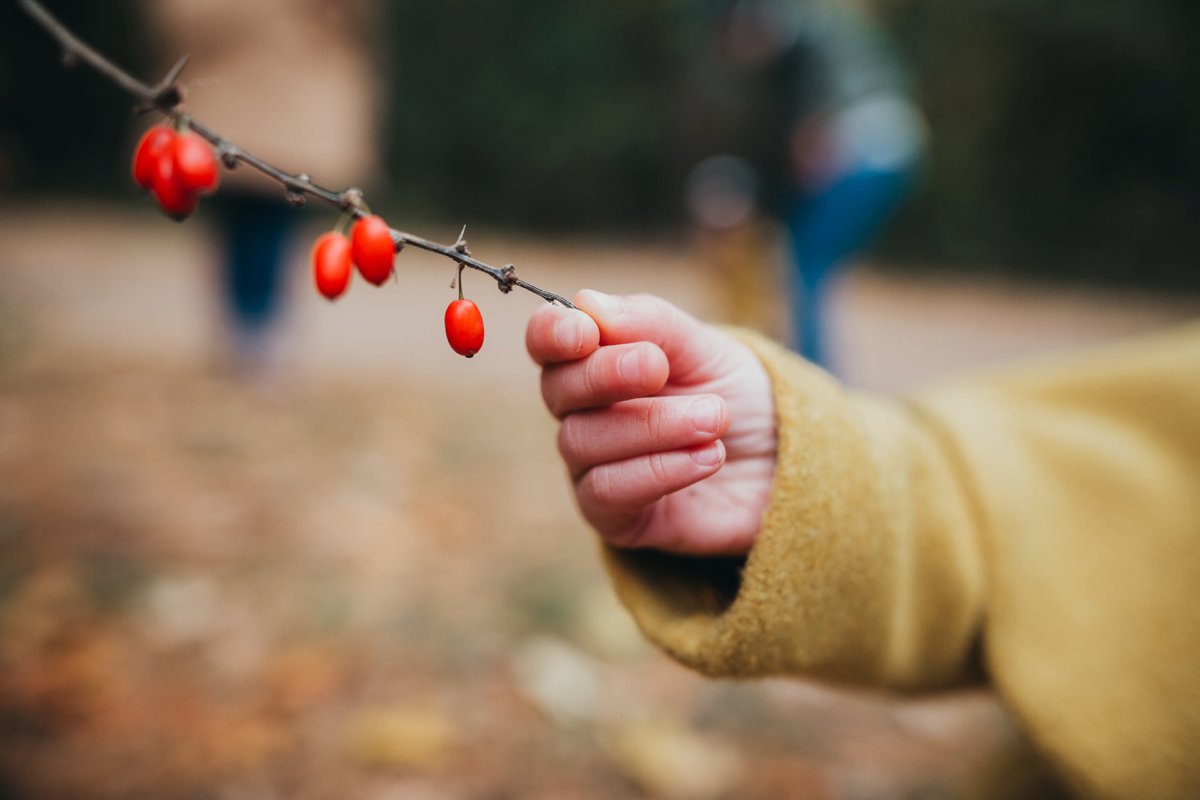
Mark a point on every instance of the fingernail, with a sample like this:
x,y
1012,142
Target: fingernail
x,y
709,456
629,366
568,332
705,413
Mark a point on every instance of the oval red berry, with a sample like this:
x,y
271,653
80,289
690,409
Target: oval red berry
x,y
372,249
464,327
331,264
150,149
195,164
176,202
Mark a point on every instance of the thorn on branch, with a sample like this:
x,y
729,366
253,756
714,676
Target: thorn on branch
x,y
173,75
508,277
168,94
169,97
69,59
460,244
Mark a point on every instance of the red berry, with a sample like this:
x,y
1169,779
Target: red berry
x,y
150,149
331,264
464,327
195,164
176,202
372,248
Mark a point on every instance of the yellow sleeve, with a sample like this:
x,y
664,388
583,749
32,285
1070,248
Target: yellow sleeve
x,y
1042,524
1086,473
867,567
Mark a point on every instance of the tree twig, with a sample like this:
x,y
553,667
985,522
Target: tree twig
x,y
166,98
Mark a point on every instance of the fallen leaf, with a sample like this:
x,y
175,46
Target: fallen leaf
x,y
402,736
671,761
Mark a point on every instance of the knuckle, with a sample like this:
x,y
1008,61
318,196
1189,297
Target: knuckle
x,y
652,303
647,299
658,469
676,318
599,487
569,438
597,373
656,421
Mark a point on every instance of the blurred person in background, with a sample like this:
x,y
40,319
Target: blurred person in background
x,y
290,81
854,139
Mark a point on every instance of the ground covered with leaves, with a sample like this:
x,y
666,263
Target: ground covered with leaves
x,y
358,573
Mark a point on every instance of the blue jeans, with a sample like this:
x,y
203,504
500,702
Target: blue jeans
x,y
827,227
255,231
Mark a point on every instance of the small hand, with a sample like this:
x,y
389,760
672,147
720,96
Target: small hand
x,y
668,424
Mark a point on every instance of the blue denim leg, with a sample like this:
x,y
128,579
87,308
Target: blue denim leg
x,y
825,229
256,232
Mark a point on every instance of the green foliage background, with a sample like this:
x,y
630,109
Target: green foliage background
x,y
1067,137
1066,132
540,112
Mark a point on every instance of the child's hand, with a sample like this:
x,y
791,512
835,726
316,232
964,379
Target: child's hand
x,y
653,401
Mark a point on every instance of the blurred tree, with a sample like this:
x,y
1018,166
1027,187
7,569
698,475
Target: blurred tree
x,y
1065,137
67,130
1065,131
538,112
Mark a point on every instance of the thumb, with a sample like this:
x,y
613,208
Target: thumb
x,y
692,347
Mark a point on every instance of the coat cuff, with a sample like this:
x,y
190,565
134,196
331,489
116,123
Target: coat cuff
x,y
830,588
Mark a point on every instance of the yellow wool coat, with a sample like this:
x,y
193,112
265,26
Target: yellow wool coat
x,y
1037,528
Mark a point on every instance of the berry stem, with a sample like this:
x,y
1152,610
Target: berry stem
x,y
165,97
343,223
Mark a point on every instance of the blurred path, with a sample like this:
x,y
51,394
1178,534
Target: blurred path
x,y
84,284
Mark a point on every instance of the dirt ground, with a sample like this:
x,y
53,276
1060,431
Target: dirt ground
x,y
360,574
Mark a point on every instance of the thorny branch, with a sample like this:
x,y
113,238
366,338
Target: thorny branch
x,y
166,98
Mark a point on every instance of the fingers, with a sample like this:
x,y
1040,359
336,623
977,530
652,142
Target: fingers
x,y
556,334
613,496
627,448
608,375
639,427
691,346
